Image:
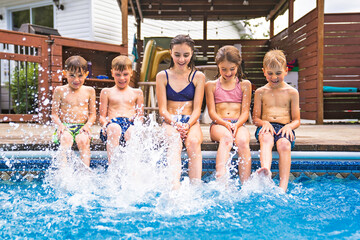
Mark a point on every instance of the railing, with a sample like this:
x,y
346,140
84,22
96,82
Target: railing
x,y
150,100
24,75
30,68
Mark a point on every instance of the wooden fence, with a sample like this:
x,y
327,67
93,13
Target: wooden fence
x,y
342,65
300,41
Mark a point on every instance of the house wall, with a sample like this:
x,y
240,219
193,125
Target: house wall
x,y
106,20
94,20
75,20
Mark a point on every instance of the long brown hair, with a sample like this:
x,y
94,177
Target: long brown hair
x,y
180,39
231,54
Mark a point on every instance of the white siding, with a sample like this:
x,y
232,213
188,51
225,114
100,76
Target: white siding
x,y
75,20
106,21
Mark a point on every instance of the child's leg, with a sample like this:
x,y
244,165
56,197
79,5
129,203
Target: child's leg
x,y
193,147
66,141
113,132
83,143
174,154
242,141
221,134
266,144
283,146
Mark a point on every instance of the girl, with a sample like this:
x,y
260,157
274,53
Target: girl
x,y
228,100
180,92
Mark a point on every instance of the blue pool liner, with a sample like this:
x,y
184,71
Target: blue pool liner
x,y
301,160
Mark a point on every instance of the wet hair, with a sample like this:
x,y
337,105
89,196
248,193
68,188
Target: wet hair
x,y
76,64
275,59
180,39
121,63
231,54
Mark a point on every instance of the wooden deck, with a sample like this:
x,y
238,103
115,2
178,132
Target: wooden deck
x,y
309,137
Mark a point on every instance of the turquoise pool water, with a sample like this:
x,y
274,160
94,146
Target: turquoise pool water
x,y
321,208
133,199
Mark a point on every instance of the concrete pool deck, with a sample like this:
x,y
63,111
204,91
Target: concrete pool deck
x,y
309,137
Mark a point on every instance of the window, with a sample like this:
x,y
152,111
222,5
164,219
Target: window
x,y
43,16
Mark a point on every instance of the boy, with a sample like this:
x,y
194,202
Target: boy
x,y
73,109
276,114
119,106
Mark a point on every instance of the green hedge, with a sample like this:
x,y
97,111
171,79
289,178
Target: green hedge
x,y
24,88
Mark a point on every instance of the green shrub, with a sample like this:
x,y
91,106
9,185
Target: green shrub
x,y
24,88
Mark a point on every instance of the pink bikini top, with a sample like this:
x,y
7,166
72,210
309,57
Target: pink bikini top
x,y
234,95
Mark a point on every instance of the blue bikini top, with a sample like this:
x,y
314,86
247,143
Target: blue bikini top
x,y
187,94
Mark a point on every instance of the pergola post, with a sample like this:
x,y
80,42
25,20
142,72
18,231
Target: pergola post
x,y
124,22
291,12
320,61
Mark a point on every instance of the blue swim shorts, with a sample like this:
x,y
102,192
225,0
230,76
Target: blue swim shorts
x,y
277,127
124,123
180,118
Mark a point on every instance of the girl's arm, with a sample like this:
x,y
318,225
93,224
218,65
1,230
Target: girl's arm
x,y
198,98
245,105
161,97
210,103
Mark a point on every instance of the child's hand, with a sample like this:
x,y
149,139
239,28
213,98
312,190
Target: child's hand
x,y
286,131
234,129
183,129
61,129
267,128
86,129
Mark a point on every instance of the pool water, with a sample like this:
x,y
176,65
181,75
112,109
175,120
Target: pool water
x,y
133,199
325,207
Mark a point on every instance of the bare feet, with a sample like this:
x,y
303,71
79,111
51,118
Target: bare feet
x,y
264,172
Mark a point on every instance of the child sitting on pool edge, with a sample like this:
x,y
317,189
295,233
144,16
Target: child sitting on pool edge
x,y
73,109
276,114
228,100
119,106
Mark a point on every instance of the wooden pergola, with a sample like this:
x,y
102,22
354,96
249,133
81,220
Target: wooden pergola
x,y
204,10
290,39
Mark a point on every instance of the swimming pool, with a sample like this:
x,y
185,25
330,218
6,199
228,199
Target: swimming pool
x,y
132,198
95,207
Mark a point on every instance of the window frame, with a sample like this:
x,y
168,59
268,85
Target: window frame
x,y
29,6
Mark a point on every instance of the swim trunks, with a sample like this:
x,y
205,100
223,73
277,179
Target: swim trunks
x,y
74,130
187,94
180,118
277,127
124,123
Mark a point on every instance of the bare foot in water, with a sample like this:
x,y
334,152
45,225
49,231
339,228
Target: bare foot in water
x,y
264,172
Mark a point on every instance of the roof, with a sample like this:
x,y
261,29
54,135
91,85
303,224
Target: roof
x,y
197,9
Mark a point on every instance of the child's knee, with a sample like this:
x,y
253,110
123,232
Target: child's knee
x,y
193,142
82,140
243,142
227,141
283,145
266,139
66,139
